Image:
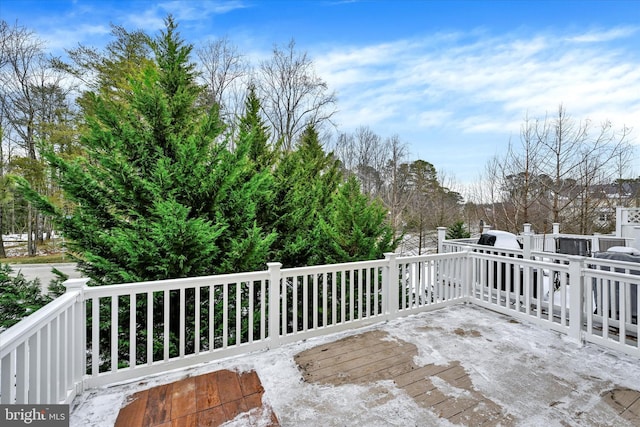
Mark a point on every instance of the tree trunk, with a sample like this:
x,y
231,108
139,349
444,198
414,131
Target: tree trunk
x,y
31,231
3,254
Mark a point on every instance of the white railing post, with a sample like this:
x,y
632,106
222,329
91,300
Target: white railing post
x,y
468,274
636,235
619,221
274,303
576,297
390,279
526,241
78,349
556,228
442,234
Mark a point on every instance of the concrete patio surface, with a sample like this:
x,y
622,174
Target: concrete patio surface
x,y
461,365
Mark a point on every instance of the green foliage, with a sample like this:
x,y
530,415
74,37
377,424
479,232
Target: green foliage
x,y
306,182
354,227
159,195
19,297
56,287
457,231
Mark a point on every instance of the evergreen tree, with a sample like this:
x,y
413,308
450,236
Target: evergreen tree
x,y
306,181
254,132
355,228
19,297
159,195
457,231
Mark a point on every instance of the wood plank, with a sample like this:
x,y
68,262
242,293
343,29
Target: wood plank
x,y
375,371
250,383
189,420
389,372
454,406
348,353
624,396
419,373
207,394
228,386
132,414
345,345
253,401
485,413
183,397
158,405
351,366
455,372
212,417
419,387
431,397
234,408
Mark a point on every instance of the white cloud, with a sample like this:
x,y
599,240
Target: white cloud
x,y
604,36
195,11
482,85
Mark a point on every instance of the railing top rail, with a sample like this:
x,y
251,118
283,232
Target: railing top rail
x,y
30,325
169,284
611,275
612,263
333,267
413,258
524,261
485,247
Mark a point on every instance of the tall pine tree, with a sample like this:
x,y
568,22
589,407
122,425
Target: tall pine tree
x,y
159,195
354,228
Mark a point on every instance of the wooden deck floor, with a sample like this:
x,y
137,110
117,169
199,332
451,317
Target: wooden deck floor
x,y
374,356
446,390
464,364
205,400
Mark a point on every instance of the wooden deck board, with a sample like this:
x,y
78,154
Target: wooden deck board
x,y
206,400
374,356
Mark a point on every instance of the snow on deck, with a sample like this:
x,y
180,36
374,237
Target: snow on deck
x,y
536,377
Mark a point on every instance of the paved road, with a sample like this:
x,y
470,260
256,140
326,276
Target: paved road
x,y
43,271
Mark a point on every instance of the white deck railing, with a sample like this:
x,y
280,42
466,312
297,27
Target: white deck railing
x,y
93,336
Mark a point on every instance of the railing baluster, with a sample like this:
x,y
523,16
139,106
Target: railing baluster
x,y
6,369
284,314
368,291
250,284
263,309
63,352
359,280
351,296
22,363
95,336
343,296
182,334
45,365
316,296
165,332
225,315
196,321
150,328
607,309
212,326
114,333
238,313
132,329
35,354
324,300
305,304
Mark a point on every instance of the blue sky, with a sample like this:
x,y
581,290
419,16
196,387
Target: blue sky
x,y
453,79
